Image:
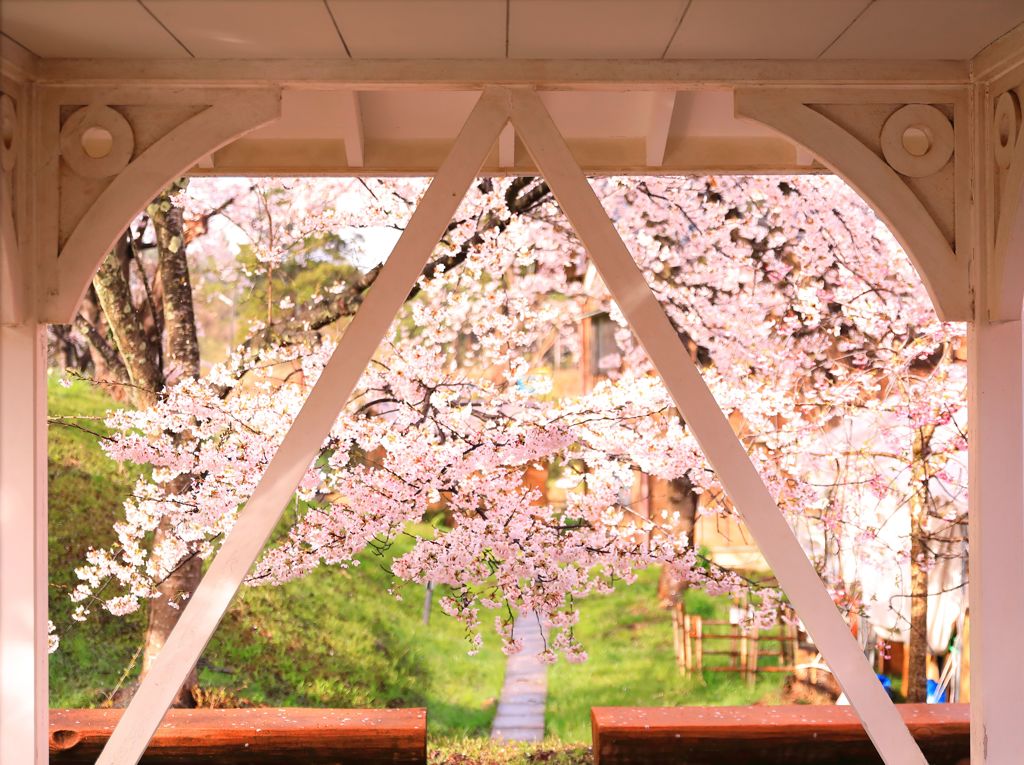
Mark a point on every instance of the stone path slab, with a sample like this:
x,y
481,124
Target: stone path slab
x,y
520,715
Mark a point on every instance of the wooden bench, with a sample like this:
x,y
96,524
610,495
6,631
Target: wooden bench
x,y
253,736
764,735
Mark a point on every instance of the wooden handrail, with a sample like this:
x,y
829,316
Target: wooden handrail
x,y
253,736
768,735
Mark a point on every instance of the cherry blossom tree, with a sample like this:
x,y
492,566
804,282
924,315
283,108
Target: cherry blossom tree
x,y
803,313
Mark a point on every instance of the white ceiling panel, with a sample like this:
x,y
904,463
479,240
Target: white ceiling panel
x,y
251,28
563,29
927,29
761,29
525,29
87,29
422,28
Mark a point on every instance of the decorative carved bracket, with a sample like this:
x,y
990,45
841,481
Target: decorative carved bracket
x,y
107,152
905,155
1004,155
13,284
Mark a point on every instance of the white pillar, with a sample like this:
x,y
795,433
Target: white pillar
x,y
23,532
996,422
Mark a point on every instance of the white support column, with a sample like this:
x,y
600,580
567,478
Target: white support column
x,y
711,428
23,571
311,427
996,421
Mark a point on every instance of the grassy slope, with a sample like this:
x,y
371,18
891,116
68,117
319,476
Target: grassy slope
x,y
86,491
336,638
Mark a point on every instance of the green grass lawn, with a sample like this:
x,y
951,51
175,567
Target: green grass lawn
x,y
632,662
336,639
482,751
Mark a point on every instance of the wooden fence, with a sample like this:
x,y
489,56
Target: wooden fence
x,y
743,647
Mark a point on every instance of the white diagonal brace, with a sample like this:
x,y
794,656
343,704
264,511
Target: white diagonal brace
x,y
311,427
710,427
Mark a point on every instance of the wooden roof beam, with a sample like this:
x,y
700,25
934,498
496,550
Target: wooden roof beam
x,y
472,74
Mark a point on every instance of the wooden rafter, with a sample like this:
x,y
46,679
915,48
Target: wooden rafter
x,y
467,74
659,121
352,126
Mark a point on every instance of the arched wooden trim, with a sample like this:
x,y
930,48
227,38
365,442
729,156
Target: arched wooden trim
x,y
1005,294
135,186
944,274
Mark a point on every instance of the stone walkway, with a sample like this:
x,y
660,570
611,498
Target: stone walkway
x,y
520,715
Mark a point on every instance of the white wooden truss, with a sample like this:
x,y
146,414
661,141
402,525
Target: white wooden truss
x,y
651,326
956,207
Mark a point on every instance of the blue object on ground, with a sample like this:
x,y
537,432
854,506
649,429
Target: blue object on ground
x,y
886,684
934,697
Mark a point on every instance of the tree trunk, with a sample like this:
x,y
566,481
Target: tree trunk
x,y
154,344
179,320
181,361
916,689
682,499
165,610
140,359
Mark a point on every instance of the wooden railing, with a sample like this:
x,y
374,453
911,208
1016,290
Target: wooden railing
x,y
253,736
765,735
758,735
742,647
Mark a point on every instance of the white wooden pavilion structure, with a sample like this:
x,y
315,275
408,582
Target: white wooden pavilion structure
x,y
916,103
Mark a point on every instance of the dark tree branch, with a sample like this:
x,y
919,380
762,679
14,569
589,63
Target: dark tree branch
x,y
106,351
305,321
